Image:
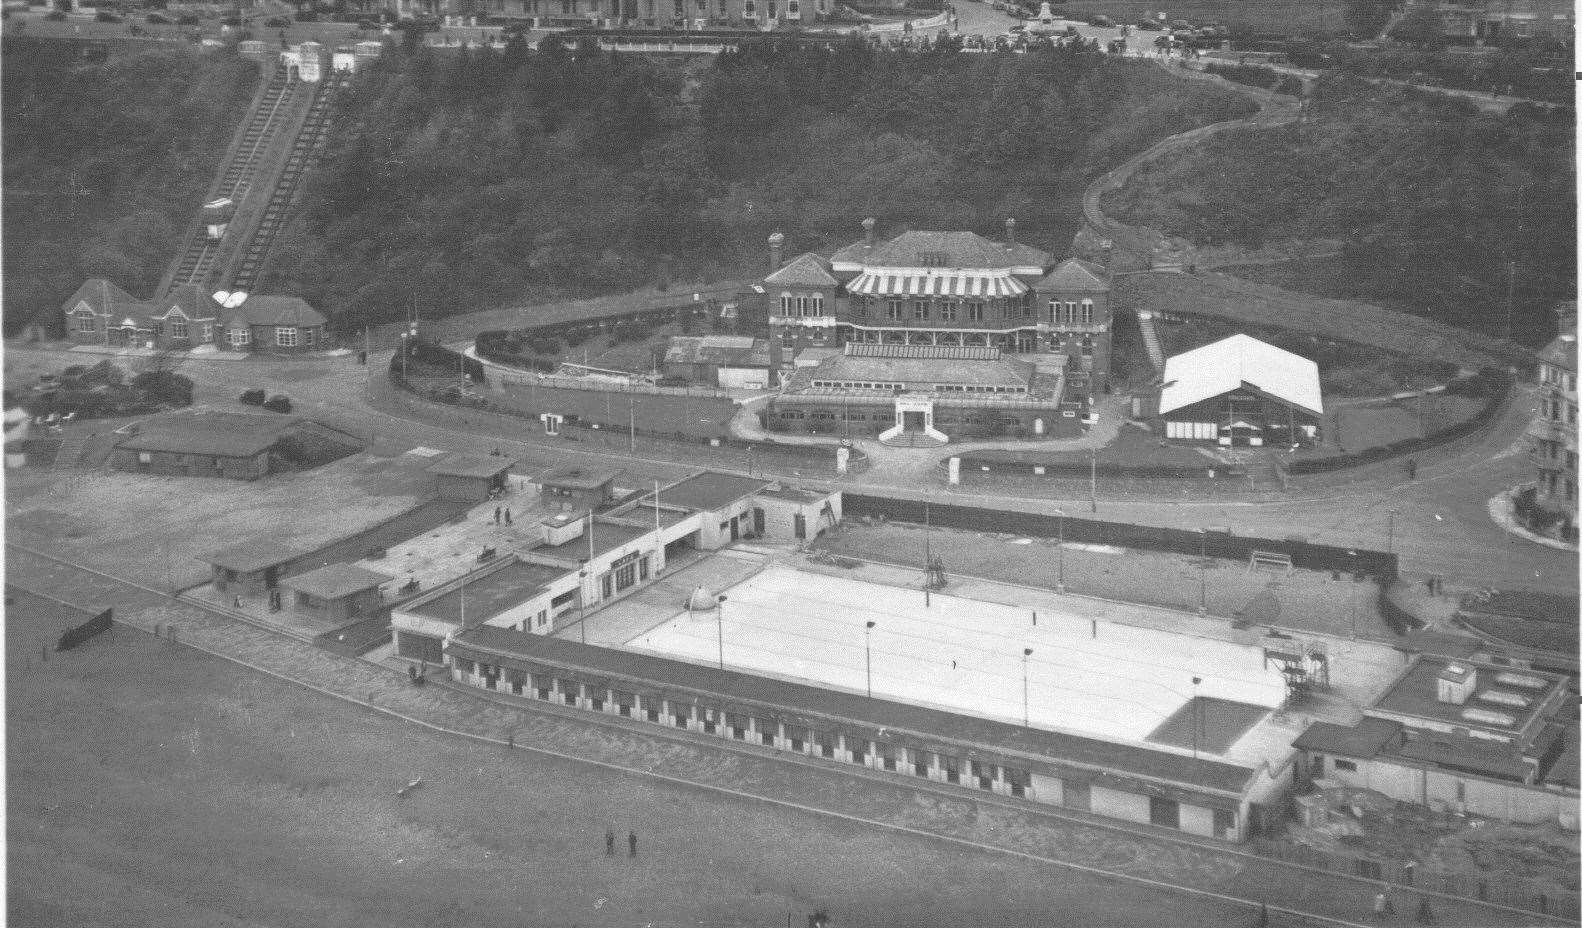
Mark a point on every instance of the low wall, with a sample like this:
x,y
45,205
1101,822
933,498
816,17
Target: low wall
x,y
1218,544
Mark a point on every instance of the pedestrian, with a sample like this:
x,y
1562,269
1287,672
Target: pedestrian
x,y
1380,902
508,515
1411,468
952,665
609,844
497,515
237,603
631,844
1425,914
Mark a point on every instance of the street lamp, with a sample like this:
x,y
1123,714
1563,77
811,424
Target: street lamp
x,y
719,626
582,603
1026,653
867,648
1202,572
1353,556
1061,548
1197,713
1389,531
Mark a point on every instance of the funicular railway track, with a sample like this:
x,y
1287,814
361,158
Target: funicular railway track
x,y
305,152
263,127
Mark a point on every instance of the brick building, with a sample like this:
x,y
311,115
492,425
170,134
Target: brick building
x,y
273,323
647,14
100,313
953,300
203,443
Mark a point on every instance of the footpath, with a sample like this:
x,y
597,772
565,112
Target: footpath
x,y
1295,895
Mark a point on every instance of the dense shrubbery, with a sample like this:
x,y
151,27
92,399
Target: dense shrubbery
x,y
460,180
1433,200
1538,68
101,391
106,163
1258,76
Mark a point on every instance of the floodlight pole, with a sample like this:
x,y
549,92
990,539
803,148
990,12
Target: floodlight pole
x,y
582,603
1026,714
1060,585
867,647
1093,479
1196,715
1202,575
719,627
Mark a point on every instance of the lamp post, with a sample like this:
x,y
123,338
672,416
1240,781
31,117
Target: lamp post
x,y
867,649
1196,715
582,603
1352,555
1389,531
1093,479
1202,572
719,626
1026,653
1060,515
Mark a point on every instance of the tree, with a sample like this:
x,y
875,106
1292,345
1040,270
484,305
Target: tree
x,y
253,397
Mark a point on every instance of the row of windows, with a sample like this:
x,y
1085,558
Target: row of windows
x,y
802,305
859,385
1069,313
678,8
1554,376
1555,410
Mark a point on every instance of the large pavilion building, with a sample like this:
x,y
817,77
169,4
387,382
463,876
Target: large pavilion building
x,y
995,332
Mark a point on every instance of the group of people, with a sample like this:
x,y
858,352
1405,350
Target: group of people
x,y
609,844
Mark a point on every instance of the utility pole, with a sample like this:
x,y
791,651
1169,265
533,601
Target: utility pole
x,y
867,648
1202,575
1026,715
631,397
1093,479
1060,547
719,627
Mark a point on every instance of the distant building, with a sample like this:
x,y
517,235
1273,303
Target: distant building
x,y
336,593
1502,20
100,313
645,14
574,488
1458,734
1553,433
1238,391
469,477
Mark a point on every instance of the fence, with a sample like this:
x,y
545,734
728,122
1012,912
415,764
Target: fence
x,y
1212,543
1496,889
80,633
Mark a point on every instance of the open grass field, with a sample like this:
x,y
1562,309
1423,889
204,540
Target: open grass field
x,y
1283,16
149,784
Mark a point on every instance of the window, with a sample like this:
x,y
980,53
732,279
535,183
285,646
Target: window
x,y
1345,765
240,337
793,8
785,304
947,311
286,336
749,8
893,309
975,311
1027,309
859,306
818,304
920,309
87,324
178,328
1087,312
935,259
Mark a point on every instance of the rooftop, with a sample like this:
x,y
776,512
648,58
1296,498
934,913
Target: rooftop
x,y
916,374
1237,361
336,580
214,432
805,270
489,595
1365,739
275,310
607,536
577,477
734,686
792,494
1076,274
710,491
729,350
252,556
470,465
960,250
1416,695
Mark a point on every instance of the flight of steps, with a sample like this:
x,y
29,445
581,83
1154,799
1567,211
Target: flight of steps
x,y
69,455
911,439
1145,322
305,151
269,115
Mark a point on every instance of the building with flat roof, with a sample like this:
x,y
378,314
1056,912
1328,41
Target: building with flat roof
x,y
203,443
469,477
1457,733
250,568
337,593
732,362
574,487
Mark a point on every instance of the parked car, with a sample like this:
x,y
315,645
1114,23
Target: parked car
x,y
278,22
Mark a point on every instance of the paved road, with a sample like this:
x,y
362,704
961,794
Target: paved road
x,y
1077,846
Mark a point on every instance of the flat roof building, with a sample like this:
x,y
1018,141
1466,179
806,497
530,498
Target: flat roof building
x,y
469,477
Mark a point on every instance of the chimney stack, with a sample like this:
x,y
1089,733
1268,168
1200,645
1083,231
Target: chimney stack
x,y
867,231
777,248
1010,233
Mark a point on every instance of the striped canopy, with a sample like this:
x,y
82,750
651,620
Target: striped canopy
x,y
949,283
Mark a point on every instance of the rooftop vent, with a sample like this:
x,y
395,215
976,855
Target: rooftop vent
x,y
1505,698
1488,717
1456,682
1522,680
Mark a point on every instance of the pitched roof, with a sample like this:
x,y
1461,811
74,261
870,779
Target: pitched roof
x,y
99,294
333,581
462,464
730,350
1562,351
1075,274
961,250
193,302
208,431
275,310
1229,363
807,270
